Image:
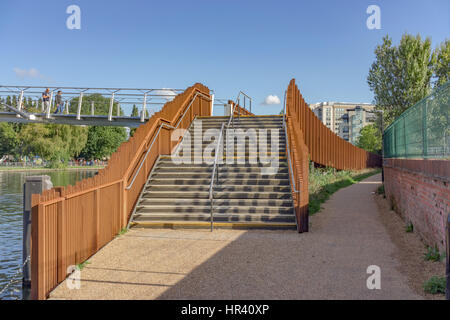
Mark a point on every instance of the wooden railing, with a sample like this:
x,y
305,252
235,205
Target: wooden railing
x,y
308,139
325,147
70,224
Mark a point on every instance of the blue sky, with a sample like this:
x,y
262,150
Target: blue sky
x,y
254,46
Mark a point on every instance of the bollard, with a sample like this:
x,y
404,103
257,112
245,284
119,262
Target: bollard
x,y
32,185
447,272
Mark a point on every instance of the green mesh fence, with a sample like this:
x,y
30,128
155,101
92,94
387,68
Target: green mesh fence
x,y
422,131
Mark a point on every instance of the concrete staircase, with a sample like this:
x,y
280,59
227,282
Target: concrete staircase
x,y
177,195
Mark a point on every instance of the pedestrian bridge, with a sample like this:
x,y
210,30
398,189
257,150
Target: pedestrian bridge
x,y
144,183
82,106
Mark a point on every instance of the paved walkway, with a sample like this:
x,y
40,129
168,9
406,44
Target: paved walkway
x,y
329,262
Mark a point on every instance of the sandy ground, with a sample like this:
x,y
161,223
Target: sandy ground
x,y
329,262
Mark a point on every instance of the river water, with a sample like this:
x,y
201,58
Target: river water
x,y
11,208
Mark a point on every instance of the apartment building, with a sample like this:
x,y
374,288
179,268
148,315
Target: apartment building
x,y
345,119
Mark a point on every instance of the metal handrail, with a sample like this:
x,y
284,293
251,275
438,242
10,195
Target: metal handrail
x,y
291,176
211,186
157,134
236,103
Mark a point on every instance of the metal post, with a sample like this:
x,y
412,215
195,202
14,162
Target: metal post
x,y
144,105
111,105
212,104
424,130
447,272
80,101
92,108
32,185
19,107
49,106
66,106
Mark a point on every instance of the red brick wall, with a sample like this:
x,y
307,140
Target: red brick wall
x,y
419,190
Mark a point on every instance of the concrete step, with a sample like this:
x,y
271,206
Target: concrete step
x,y
168,161
181,224
223,169
222,175
221,202
217,217
206,182
186,209
262,191
204,194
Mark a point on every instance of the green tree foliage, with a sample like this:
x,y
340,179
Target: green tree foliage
x,y
103,141
442,65
401,75
54,143
8,138
370,139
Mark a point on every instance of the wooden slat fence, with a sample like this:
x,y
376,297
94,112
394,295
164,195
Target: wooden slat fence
x,y
70,224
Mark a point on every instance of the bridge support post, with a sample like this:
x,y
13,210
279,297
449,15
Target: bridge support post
x,y
92,108
32,185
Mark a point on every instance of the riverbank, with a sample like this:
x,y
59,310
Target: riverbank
x,y
22,169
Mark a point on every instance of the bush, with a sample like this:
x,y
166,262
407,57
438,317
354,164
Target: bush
x,y
435,285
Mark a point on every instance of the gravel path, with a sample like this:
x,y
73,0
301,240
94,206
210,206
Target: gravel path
x,y
329,262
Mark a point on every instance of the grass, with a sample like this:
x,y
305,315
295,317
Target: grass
x,y
435,285
409,228
323,182
432,254
122,231
80,266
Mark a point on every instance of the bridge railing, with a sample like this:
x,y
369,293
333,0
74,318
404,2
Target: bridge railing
x,y
70,224
118,100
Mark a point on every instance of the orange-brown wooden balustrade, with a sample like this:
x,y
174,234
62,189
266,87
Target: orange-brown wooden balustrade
x,y
70,224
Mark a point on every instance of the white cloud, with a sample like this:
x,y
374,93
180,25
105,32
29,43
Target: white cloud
x,y
271,99
166,93
32,73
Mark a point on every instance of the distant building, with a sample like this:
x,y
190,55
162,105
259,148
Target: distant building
x,y
345,119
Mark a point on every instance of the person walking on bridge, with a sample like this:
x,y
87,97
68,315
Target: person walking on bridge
x,y
46,98
59,103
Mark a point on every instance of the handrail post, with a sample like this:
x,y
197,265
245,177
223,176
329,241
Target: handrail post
x,y
19,107
49,106
144,105
111,105
92,108
80,102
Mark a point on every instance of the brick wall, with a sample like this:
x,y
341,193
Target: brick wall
x,y
419,190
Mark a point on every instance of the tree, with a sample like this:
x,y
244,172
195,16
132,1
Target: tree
x,y
370,139
442,66
102,142
401,75
52,142
8,138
